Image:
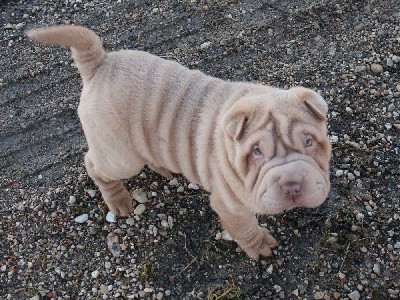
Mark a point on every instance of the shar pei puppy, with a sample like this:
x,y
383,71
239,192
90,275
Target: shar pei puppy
x,y
257,149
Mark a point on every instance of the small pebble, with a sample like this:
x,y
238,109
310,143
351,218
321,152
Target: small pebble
x,y
72,200
130,221
319,295
377,268
376,68
140,196
19,26
277,288
361,68
270,269
334,138
193,186
82,218
359,217
174,182
354,295
91,193
111,218
139,209
159,296
226,236
113,244
205,45
95,274
339,173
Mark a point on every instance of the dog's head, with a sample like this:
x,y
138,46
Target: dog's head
x,y
277,144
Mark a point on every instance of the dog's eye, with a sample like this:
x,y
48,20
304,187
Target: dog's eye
x,y
257,151
309,142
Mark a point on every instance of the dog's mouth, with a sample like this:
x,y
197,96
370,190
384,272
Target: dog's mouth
x,y
294,182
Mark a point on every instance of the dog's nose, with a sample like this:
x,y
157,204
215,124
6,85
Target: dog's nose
x,y
291,189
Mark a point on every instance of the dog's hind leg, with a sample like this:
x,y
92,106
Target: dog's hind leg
x,y
114,193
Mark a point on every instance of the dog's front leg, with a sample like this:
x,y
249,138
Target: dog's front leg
x,y
242,225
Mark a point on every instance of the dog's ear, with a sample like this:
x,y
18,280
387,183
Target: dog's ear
x,y
237,119
313,101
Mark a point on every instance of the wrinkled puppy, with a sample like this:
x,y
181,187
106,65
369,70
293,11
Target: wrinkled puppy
x,y
257,149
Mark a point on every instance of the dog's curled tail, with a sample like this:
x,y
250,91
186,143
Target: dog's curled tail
x,y
86,46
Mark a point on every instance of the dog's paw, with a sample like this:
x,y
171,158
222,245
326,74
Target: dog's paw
x,y
121,206
262,246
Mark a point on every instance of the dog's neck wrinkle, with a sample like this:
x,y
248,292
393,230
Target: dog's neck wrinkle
x,y
226,148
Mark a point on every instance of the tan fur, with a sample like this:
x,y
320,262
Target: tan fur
x,y
248,144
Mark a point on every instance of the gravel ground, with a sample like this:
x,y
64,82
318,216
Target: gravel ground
x,y
55,239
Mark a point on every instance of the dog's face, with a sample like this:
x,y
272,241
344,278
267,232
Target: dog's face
x,y
278,145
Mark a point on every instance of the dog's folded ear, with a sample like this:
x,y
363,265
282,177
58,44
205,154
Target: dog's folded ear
x,y
237,119
313,101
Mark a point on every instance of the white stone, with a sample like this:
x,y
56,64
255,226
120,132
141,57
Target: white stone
x,y
170,221
159,296
377,268
174,182
226,236
164,224
193,186
360,217
19,26
354,295
334,139
72,200
205,45
351,176
319,295
111,218
130,221
91,193
270,269
82,218
95,274
277,288
339,173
